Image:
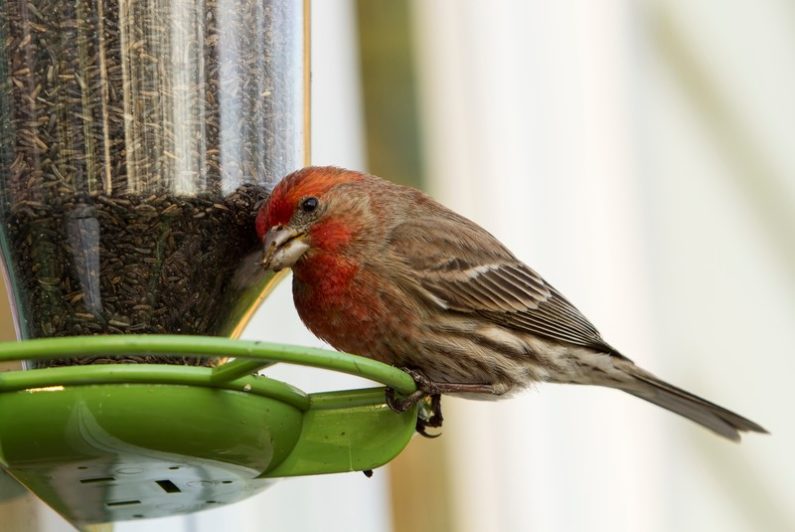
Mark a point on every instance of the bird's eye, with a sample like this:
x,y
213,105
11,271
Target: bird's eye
x,y
309,204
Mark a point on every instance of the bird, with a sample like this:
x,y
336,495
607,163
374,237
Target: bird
x,y
384,271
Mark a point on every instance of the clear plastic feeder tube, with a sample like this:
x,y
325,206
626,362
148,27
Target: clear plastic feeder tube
x,y
136,139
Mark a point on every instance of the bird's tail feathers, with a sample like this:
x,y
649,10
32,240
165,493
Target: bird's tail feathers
x,y
716,418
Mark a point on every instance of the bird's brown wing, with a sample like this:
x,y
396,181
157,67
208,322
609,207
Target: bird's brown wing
x,y
463,268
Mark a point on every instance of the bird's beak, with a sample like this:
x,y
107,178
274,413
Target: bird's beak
x,y
283,247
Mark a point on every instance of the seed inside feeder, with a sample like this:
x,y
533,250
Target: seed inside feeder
x,y
160,264
134,137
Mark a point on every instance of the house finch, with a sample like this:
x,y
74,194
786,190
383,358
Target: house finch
x,y
384,271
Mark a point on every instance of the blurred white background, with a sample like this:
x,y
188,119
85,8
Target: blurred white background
x,y
639,155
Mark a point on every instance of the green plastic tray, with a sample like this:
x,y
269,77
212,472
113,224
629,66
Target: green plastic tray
x,y
114,442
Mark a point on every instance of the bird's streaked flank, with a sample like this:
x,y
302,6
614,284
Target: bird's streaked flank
x,y
384,271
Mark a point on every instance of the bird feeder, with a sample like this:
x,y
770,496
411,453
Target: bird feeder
x,y
112,442
136,141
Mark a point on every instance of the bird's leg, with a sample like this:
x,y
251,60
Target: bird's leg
x,y
435,388
447,387
428,388
401,405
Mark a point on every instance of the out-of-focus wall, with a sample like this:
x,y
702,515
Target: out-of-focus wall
x,y
638,155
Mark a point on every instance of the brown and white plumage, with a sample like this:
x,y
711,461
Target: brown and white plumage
x,y
384,271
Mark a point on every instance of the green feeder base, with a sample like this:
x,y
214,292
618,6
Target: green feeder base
x,y
115,442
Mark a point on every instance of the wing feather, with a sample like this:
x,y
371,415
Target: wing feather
x,y
457,271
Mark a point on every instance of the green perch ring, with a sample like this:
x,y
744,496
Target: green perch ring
x,y
115,442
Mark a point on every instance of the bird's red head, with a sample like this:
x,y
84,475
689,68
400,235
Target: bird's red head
x,y
284,201
295,209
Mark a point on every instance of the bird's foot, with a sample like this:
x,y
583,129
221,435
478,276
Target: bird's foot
x,y
401,405
430,414
424,388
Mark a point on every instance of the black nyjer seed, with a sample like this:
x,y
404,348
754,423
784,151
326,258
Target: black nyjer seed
x,y
129,264
133,140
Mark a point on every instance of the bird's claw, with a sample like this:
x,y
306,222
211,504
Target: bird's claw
x,y
435,418
425,389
